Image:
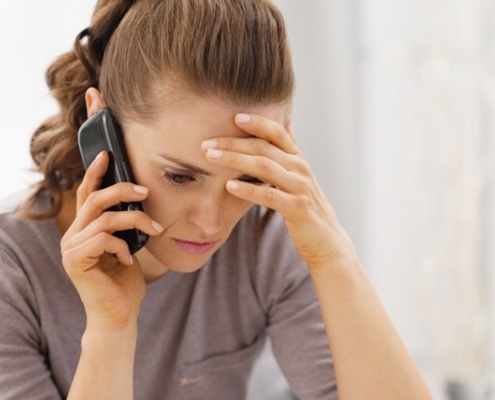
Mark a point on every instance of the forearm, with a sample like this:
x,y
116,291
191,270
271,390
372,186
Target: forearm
x,y
106,365
371,361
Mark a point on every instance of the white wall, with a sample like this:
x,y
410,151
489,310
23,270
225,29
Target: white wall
x,y
32,34
426,128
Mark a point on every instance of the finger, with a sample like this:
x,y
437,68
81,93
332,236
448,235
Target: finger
x,y
97,202
267,129
79,259
290,131
265,196
112,221
251,146
92,178
260,167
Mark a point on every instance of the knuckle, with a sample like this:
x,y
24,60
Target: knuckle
x,y
107,242
81,190
301,182
234,158
250,190
106,220
124,188
92,199
301,165
280,133
301,203
65,244
226,144
270,196
114,245
102,238
68,261
262,147
66,258
264,164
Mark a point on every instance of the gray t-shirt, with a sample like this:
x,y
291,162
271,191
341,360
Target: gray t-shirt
x,y
199,333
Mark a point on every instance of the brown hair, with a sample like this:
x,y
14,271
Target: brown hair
x,y
139,53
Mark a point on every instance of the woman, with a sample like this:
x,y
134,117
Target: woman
x,y
202,90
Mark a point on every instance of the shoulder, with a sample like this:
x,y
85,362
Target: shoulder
x,y
27,241
16,294
262,248
30,259
269,239
260,237
11,203
10,223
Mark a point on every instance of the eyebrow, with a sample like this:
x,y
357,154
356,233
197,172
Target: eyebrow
x,y
185,165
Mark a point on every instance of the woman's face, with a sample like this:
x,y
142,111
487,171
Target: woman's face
x,y
187,192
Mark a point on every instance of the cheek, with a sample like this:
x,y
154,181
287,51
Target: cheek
x,y
234,209
164,206
160,203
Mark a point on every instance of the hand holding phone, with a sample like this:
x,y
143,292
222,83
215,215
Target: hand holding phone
x,y
101,132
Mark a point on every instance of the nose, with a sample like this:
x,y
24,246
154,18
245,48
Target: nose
x,y
206,214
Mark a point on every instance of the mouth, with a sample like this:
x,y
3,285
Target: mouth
x,y
195,248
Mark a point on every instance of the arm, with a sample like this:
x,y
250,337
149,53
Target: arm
x,y
106,365
287,295
111,287
23,366
111,290
370,359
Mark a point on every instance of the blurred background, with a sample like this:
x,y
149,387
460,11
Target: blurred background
x,y
395,109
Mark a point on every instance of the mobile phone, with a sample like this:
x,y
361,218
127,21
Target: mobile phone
x,y
102,132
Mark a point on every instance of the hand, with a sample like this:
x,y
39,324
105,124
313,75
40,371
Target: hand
x,y
290,188
109,281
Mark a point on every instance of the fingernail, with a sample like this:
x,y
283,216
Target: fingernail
x,y
242,118
232,185
213,153
98,157
209,144
140,189
156,226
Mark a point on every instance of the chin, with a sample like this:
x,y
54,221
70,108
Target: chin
x,y
177,261
185,267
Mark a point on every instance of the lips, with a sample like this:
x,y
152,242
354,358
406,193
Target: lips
x,y
194,248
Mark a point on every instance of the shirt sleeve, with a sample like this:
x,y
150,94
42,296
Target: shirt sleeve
x,y
295,324
24,373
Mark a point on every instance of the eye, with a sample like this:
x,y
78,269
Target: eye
x,y
252,180
178,179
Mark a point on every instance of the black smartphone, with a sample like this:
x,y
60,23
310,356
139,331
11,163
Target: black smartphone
x,y
102,132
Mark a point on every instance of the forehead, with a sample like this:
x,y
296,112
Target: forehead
x,y
203,117
178,130
180,127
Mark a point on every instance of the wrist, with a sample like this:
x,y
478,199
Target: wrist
x,y
337,260
106,364
107,328
95,335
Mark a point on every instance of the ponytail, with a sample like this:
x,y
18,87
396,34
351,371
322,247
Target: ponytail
x,y
53,147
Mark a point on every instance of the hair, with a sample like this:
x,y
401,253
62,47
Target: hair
x,y
142,53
